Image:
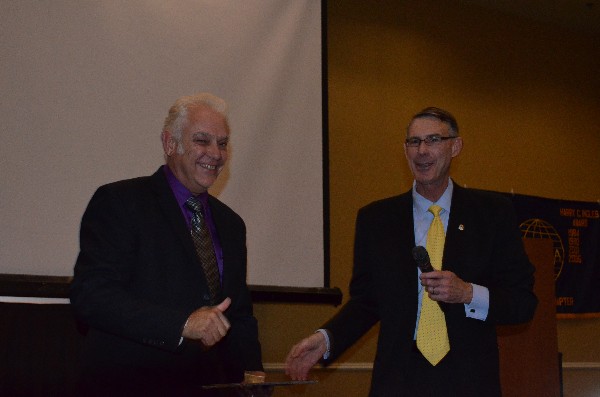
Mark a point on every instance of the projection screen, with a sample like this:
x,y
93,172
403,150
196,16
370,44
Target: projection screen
x,y
86,87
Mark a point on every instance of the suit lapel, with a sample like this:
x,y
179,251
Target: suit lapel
x,y
407,244
396,240
406,221
172,212
456,244
402,272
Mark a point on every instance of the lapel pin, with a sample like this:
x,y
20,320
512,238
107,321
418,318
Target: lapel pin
x,y
461,227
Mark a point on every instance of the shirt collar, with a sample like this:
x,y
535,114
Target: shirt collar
x,y
421,204
182,194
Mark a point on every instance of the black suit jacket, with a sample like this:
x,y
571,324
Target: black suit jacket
x,y
483,246
137,279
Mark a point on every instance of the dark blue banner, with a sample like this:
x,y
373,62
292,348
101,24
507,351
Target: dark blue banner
x,y
574,228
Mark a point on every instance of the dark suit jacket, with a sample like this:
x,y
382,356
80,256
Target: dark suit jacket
x,y
137,279
486,250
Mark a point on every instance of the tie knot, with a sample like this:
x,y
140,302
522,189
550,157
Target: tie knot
x,y
435,210
194,204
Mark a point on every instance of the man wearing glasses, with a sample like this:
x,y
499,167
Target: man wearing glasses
x,y
437,329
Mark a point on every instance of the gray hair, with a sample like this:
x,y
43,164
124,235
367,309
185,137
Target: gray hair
x,y
177,119
440,114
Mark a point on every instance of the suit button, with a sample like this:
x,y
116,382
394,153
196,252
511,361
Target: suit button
x,y
206,297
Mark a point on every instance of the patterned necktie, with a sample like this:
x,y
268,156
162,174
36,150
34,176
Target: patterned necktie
x,y
204,247
432,336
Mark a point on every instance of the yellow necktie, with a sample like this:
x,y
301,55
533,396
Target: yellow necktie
x,y
432,336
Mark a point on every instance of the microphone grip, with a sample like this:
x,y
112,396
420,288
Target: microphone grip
x,y
421,257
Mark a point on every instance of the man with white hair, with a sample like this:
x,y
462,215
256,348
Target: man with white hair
x,y
160,280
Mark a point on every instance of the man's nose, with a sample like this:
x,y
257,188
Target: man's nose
x,y
422,148
214,151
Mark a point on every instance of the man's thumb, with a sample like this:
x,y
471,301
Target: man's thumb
x,y
224,305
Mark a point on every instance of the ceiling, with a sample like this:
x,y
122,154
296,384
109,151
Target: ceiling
x,y
578,15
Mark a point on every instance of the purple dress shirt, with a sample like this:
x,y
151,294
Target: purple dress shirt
x,y
181,195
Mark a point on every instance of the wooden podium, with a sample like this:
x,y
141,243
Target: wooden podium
x,y
529,363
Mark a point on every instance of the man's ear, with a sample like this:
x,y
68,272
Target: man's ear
x,y
168,142
457,145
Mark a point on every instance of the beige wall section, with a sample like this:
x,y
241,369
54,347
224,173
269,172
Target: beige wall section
x,y
527,99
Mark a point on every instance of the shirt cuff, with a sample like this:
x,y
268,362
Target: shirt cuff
x,y
327,342
181,339
480,304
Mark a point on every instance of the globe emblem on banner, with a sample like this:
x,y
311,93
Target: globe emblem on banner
x,y
538,228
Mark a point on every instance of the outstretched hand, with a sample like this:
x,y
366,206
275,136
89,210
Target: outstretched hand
x,y
304,355
208,324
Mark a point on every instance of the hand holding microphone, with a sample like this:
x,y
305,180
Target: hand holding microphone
x,y
442,285
422,258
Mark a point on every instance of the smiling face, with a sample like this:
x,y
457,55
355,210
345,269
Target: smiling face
x,y
430,165
199,157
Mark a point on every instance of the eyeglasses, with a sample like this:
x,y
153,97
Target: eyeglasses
x,y
431,140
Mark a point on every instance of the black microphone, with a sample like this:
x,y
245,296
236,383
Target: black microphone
x,y
421,256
